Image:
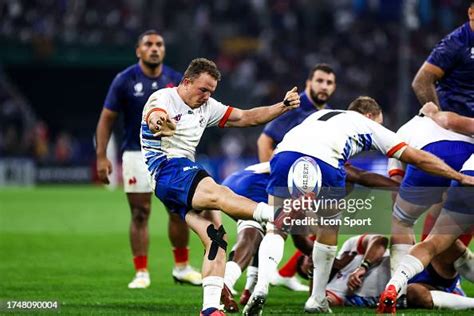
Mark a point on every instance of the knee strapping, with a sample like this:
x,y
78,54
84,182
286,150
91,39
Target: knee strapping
x,y
217,240
402,216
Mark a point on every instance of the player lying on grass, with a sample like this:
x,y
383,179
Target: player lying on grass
x,y
456,218
252,183
419,190
344,134
173,122
362,269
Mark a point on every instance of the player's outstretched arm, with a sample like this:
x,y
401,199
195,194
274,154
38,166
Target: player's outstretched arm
x,y
102,134
449,120
424,83
368,179
263,114
432,164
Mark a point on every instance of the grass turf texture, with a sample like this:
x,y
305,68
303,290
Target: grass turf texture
x,y
70,244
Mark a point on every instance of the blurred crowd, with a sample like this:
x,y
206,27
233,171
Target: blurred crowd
x,y
22,134
263,47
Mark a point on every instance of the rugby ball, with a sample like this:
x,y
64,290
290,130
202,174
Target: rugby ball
x,y
304,176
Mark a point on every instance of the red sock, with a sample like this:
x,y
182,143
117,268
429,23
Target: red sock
x,y
428,225
181,255
140,262
289,269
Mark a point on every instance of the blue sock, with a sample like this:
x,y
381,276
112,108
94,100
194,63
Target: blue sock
x,y
208,311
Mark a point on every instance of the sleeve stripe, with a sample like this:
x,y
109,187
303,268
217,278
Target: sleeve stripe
x,y
395,148
153,110
360,245
225,117
396,172
337,297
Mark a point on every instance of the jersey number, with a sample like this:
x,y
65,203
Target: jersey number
x,y
327,116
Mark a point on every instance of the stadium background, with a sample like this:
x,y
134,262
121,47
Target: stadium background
x,y
57,59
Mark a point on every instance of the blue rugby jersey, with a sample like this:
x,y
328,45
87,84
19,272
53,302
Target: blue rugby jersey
x,y
455,55
277,128
129,92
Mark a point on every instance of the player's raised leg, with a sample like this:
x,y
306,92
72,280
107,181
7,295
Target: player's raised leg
x,y
212,196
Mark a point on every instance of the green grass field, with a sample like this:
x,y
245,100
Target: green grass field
x,y
70,244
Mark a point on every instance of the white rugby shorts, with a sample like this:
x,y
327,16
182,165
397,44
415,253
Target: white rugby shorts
x,y
136,178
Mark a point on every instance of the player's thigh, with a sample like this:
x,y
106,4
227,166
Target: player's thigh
x,y
200,221
209,194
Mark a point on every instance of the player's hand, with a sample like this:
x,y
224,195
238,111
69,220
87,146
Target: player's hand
x,y
467,180
104,168
162,126
292,99
355,278
429,109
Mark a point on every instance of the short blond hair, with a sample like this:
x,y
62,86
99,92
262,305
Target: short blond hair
x,y
365,105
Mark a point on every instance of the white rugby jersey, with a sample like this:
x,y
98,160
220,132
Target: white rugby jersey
x,y
469,164
419,132
335,136
190,125
374,280
262,167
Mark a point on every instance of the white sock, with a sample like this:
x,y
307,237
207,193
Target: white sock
x,y
263,213
397,252
252,274
232,273
464,265
323,257
409,267
212,288
269,256
451,301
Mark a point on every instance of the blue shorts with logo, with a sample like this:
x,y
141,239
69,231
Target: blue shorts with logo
x,y
460,198
176,182
333,179
431,277
421,188
249,184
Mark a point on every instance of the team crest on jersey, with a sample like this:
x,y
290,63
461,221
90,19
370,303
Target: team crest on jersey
x,y
138,87
202,122
154,85
177,118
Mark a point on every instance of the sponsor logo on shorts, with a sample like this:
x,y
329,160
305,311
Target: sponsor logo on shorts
x,y
190,168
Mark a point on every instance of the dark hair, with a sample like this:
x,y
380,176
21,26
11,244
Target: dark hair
x,y
365,105
147,32
202,65
322,67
